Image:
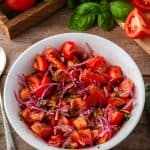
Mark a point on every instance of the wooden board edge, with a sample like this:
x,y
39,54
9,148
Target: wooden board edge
x,y
31,17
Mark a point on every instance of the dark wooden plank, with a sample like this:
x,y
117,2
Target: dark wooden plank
x,y
28,18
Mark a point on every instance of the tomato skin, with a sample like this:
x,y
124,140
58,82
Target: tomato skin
x,y
97,63
24,93
26,115
80,123
33,82
55,140
77,103
45,80
20,5
89,77
40,63
117,102
30,116
67,49
96,97
137,25
126,88
142,4
104,138
52,56
115,73
41,129
83,137
37,116
63,121
116,117
95,133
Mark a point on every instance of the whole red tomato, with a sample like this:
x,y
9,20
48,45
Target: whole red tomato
x,y
20,5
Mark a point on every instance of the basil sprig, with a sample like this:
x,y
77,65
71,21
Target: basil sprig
x,y
84,17
120,9
105,21
102,12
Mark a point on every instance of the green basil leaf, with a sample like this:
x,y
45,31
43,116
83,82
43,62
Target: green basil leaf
x,y
104,6
88,8
120,9
105,20
81,23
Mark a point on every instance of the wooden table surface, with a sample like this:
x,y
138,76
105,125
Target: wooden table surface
x,y
140,137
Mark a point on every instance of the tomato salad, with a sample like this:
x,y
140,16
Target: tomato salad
x,y
74,98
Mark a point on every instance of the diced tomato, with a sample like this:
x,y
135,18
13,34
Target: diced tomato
x,y
137,25
116,117
104,138
41,129
63,103
83,137
95,133
52,56
89,77
72,62
72,144
52,120
126,88
45,80
37,116
74,74
142,4
26,115
31,116
77,103
52,103
20,5
63,121
67,49
40,63
24,94
55,140
96,97
97,63
115,73
117,102
33,82
80,123
128,107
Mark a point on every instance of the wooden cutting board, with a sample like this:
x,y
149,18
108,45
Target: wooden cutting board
x,y
143,43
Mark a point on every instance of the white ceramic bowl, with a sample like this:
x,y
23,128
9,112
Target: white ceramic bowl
x,y
113,53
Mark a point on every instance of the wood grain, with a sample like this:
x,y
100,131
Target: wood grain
x,y
28,18
57,23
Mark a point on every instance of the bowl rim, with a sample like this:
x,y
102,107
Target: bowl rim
x,y
139,114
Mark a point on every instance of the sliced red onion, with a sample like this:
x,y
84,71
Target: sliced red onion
x,y
66,142
57,114
44,85
89,49
64,91
80,64
128,105
22,80
66,129
106,92
20,102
